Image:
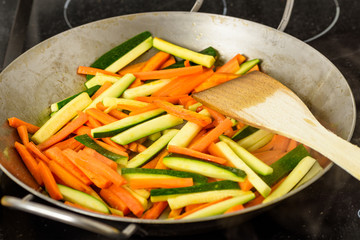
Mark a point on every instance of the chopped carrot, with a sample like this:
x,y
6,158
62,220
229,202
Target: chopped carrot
x,y
169,62
114,201
75,205
102,89
235,208
68,143
37,152
144,109
292,145
133,147
29,161
15,123
134,205
94,71
64,132
113,144
141,148
186,87
112,149
218,117
188,115
132,68
101,106
197,154
197,137
254,68
23,134
150,183
169,73
88,169
86,129
155,61
49,182
117,114
100,157
281,143
55,154
160,164
214,80
191,207
155,211
212,135
102,117
232,65
172,99
175,212
137,82
128,107
270,156
93,123
187,101
187,63
246,185
215,151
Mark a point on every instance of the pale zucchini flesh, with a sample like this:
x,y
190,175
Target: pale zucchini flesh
x,y
100,79
145,89
253,138
113,101
63,116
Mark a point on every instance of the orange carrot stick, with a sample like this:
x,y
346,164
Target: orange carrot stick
x,y
215,151
270,156
101,106
137,82
196,154
94,71
112,149
114,201
49,182
232,65
214,80
37,152
93,123
191,207
235,208
132,68
281,143
175,212
187,101
212,135
15,123
254,68
102,89
187,63
169,73
292,145
143,109
134,205
29,161
117,114
160,164
188,115
151,183
101,158
155,61
128,107
113,144
246,185
86,129
155,211
173,99
68,143
102,117
23,134
64,132
55,154
169,62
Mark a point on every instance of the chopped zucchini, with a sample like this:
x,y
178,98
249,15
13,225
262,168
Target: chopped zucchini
x,y
315,169
100,79
253,138
112,102
63,116
262,142
246,66
244,132
145,89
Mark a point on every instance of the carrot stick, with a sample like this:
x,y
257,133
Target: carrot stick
x,y
212,135
232,65
75,205
188,115
292,145
134,205
270,156
132,68
23,134
188,86
49,182
141,148
160,164
155,61
128,107
102,168
137,82
173,99
197,137
100,157
102,89
65,131
101,106
155,161
196,154
55,154
93,71
175,212
254,68
117,114
114,201
235,208
187,101
155,211
187,63
15,123
68,143
36,151
92,123
150,183
169,73
218,117
246,185
89,170
169,62
214,80
281,143
86,129
143,109
215,151
102,117
112,149
69,179
29,162
133,146
114,144
191,207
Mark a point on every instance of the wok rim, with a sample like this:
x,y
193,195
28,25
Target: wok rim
x,y
182,221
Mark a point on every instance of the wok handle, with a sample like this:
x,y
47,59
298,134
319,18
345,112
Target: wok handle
x,y
68,217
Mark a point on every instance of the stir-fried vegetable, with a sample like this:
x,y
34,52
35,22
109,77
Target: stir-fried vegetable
x,y
138,147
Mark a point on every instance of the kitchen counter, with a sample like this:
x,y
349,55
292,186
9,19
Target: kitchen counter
x,y
328,209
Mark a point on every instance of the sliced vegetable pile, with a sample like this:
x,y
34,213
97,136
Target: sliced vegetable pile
x,y
135,143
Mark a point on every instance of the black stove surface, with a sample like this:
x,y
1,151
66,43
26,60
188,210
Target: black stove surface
x,y
328,209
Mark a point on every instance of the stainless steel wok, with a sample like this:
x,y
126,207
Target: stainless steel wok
x,y
47,73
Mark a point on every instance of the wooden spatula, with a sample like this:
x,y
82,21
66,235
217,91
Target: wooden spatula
x,y
261,101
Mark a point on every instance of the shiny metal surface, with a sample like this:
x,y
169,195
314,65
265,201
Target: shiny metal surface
x,y
47,73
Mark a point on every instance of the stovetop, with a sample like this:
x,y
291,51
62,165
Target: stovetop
x,y
328,209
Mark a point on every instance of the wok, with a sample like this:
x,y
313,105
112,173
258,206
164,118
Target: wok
x,y
47,73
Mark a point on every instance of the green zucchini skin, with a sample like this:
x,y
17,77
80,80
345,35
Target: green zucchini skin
x,y
163,173
117,52
244,132
90,143
219,185
285,165
207,51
